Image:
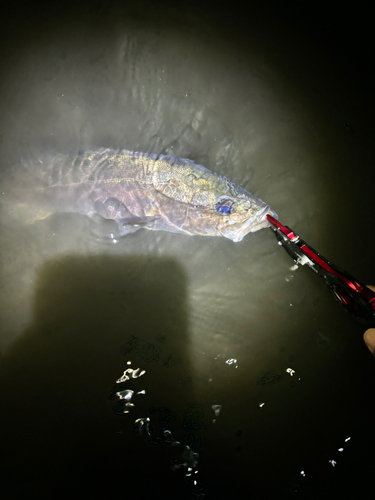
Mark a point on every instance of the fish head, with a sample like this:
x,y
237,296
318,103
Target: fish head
x,y
237,212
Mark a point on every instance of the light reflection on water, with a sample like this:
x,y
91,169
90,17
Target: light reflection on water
x,y
211,319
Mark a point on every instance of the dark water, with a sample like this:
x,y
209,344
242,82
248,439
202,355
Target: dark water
x,y
279,99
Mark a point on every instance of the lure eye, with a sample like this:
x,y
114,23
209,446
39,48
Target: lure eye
x,y
224,207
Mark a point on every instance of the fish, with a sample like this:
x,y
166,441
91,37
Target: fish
x,y
151,191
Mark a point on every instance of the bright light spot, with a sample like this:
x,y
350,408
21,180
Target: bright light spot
x,y
302,259
130,373
302,473
294,268
142,421
129,363
231,361
127,394
347,439
216,409
290,371
332,462
341,449
261,405
141,392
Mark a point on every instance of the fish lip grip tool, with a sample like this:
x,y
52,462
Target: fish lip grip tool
x,y
357,298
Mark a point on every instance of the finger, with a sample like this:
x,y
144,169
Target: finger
x,y
369,335
369,338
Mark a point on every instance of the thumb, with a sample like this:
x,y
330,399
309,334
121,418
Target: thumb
x,y
369,338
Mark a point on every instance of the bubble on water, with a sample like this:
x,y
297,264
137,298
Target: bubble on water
x,y
217,409
261,405
231,361
348,438
341,449
332,462
290,371
143,425
302,473
113,239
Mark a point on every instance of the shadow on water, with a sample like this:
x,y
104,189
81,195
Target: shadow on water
x,y
66,434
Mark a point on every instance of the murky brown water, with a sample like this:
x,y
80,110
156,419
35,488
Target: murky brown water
x,y
278,101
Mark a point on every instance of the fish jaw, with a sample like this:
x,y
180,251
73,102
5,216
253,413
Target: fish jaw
x,y
236,231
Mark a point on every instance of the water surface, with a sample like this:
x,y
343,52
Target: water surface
x,y
280,107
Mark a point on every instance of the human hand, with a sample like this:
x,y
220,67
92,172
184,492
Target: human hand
x,y
369,335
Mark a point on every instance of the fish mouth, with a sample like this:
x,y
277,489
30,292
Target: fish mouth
x,y
252,224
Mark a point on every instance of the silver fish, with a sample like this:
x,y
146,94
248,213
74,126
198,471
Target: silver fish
x,y
152,191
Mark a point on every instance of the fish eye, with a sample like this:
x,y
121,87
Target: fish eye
x,y
224,206
224,209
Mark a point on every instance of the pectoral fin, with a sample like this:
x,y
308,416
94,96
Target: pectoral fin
x,y
132,223
113,210
110,229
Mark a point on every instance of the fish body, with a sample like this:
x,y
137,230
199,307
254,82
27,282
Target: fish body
x,y
158,192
